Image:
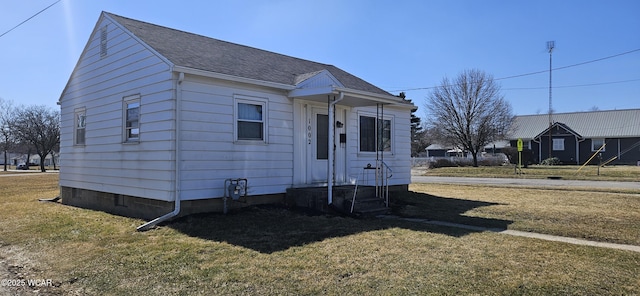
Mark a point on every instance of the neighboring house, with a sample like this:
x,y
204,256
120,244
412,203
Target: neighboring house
x,y
155,120
576,137
496,147
17,158
437,150
48,161
12,158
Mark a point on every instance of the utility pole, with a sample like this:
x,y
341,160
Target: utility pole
x,y
550,46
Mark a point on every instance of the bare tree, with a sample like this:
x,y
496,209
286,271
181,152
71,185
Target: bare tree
x,y
418,140
6,121
469,111
40,127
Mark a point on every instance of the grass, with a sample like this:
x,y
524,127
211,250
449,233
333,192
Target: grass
x,y
607,173
271,250
592,215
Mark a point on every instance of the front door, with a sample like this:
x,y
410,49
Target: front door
x,y
318,146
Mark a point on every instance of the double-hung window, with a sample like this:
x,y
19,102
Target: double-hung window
x,y
375,133
80,126
250,119
132,118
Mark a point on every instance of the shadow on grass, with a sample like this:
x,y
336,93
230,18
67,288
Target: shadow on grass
x,y
426,206
269,229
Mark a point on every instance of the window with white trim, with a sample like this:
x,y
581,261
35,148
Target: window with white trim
x,y
250,119
558,144
132,118
80,126
375,133
596,144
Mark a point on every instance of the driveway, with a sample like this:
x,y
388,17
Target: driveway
x,y
527,182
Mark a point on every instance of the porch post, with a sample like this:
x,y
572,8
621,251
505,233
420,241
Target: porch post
x,y
331,144
577,151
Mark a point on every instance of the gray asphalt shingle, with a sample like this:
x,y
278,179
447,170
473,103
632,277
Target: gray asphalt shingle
x,y
213,55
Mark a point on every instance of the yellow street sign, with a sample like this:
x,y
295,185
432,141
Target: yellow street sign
x,y
520,145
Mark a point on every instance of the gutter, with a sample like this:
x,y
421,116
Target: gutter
x,y
233,78
177,150
332,143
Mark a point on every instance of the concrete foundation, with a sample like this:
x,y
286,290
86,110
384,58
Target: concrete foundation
x,y
148,209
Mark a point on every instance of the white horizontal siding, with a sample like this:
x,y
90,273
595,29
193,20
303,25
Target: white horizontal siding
x,y
99,84
399,159
209,153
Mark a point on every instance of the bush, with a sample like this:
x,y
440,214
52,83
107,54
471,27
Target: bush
x,y
497,160
551,161
512,155
443,163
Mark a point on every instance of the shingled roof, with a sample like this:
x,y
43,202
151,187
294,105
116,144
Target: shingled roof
x,y
213,55
594,124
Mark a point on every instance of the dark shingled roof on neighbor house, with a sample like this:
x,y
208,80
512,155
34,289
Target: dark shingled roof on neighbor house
x,y
594,124
213,55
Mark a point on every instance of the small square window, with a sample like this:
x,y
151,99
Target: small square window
x,y
119,200
558,144
596,144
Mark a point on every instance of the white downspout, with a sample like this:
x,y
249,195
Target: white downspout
x,y
331,143
176,207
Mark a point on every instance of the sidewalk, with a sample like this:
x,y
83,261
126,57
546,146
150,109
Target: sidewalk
x,y
555,238
527,182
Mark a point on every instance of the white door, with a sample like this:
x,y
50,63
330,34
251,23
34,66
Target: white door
x,y
318,151
318,146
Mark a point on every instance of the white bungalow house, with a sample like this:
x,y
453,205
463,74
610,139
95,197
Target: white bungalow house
x,y
158,122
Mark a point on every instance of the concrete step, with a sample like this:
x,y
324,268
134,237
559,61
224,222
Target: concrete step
x,y
366,206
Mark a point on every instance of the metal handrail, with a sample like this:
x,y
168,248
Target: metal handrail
x,y
385,176
381,184
389,170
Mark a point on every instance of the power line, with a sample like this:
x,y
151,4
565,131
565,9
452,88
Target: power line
x,y
570,86
39,12
570,66
540,72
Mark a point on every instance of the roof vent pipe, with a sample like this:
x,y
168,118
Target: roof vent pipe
x,y
176,207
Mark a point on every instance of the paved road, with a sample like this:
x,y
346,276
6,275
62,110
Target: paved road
x,y
527,182
16,173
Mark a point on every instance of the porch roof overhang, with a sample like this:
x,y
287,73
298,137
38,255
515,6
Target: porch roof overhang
x,y
352,97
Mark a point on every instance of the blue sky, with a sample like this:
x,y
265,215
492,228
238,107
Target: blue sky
x,y
397,45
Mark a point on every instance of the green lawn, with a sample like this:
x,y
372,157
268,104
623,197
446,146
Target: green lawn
x,y
607,173
272,250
